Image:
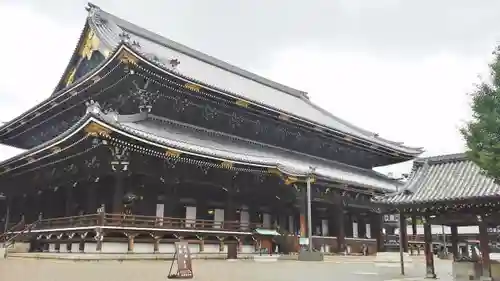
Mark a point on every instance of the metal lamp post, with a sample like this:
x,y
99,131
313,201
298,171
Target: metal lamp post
x,y
309,215
309,254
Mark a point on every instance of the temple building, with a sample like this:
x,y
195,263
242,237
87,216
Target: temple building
x,y
145,141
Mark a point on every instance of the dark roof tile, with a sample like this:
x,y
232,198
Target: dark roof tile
x,y
443,178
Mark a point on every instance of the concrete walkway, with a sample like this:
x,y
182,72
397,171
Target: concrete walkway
x,y
207,270
116,257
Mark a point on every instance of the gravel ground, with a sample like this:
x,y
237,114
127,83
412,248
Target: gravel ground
x,y
211,270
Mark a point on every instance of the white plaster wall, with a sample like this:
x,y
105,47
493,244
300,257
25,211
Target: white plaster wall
x,y
247,249
324,228
52,247
325,248
166,248
437,229
63,248
148,248
114,247
160,212
211,248
20,247
355,230
368,230
194,248
89,247
190,216
218,217
144,248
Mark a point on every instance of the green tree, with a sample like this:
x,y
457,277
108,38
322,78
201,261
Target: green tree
x,y
482,133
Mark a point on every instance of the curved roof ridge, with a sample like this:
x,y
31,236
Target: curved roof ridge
x,y
330,122
128,26
444,158
329,161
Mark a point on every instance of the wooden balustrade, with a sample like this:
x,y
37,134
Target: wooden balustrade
x,y
66,222
175,223
140,221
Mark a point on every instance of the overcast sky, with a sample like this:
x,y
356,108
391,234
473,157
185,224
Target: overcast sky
x,y
402,69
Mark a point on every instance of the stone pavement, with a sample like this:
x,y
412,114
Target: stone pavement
x,y
208,270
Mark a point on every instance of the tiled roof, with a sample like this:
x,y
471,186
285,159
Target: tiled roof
x,y
443,178
212,144
222,75
206,142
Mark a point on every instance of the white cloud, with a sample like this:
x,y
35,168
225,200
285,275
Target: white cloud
x,y
35,51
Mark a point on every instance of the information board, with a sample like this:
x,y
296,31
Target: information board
x,y
183,257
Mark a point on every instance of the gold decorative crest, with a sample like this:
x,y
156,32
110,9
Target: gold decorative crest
x,y
90,44
192,87
226,164
242,103
173,153
290,180
94,129
71,77
127,58
274,171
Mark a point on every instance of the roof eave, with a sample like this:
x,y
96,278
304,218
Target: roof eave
x,y
68,90
137,53
126,25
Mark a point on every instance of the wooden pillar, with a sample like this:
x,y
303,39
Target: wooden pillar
x,y
403,228
429,255
485,248
361,226
338,210
8,202
229,218
202,244
301,202
156,245
414,226
99,237
131,242
454,241
377,230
